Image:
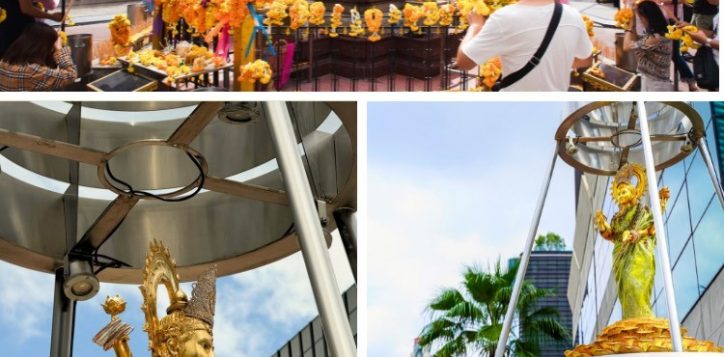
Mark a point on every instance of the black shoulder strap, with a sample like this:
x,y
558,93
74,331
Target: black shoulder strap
x,y
552,26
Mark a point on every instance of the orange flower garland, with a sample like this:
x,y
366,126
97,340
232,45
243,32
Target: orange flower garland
x,y
373,19
623,18
3,14
337,11
589,25
490,71
277,13
120,28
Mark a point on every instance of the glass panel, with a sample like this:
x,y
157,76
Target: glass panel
x,y
678,225
685,283
674,179
700,187
616,314
709,242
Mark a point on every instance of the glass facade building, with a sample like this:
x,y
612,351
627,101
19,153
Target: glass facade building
x,y
694,221
549,270
310,341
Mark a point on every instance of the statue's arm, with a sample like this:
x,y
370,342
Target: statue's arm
x,y
121,348
664,195
603,227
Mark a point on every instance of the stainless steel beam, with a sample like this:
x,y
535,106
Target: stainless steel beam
x,y
311,238
710,167
51,147
659,225
195,123
61,337
244,190
107,222
523,266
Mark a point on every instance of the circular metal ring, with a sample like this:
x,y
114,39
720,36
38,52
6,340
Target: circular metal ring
x,y
199,159
697,131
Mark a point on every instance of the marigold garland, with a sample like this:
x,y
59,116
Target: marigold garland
x,y
623,18
299,14
276,14
589,25
411,14
336,21
682,34
3,14
258,70
373,19
446,14
316,13
431,12
490,71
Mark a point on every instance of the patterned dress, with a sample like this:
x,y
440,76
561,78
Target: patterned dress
x,y
634,263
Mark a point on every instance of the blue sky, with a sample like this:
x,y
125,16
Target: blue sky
x,y
256,311
449,185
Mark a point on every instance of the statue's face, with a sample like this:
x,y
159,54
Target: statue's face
x,y
198,343
625,194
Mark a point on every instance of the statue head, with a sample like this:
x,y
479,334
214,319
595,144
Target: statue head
x,y
187,329
625,192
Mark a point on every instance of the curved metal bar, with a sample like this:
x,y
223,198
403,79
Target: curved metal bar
x,y
710,167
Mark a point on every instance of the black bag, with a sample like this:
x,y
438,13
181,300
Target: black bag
x,y
517,75
706,70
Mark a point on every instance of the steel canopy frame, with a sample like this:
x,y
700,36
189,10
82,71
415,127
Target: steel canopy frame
x,y
658,221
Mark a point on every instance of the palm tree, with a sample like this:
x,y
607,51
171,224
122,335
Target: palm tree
x,y
470,320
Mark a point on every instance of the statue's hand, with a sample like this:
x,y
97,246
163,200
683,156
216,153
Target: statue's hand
x,y
602,225
629,236
664,195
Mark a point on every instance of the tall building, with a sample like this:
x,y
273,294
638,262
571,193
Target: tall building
x,y
310,341
694,221
550,270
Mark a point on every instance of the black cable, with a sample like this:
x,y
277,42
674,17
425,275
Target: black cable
x,y
133,192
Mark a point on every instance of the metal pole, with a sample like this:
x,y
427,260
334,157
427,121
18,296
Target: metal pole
x,y
61,338
347,226
523,266
710,166
659,225
311,238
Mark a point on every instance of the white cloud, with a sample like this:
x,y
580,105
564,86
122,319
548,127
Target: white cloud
x,y
424,227
26,296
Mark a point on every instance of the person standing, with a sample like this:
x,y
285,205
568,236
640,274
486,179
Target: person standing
x,y
516,31
20,14
653,50
704,12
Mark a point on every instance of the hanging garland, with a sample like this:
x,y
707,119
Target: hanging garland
x,y
337,11
317,10
258,70
412,14
373,19
355,27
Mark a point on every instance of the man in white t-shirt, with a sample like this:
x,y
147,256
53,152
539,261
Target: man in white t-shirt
x,y
516,31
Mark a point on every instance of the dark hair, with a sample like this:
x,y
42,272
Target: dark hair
x,y
656,20
35,45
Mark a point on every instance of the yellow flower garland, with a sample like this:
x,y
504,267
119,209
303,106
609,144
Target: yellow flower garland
x,y
373,19
355,27
3,14
277,13
682,34
298,13
446,14
258,70
394,15
623,18
317,10
412,14
490,71
431,13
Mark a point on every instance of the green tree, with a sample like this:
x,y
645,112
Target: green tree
x,y
469,320
549,242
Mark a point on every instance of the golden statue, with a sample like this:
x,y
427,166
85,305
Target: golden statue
x,y
186,330
632,232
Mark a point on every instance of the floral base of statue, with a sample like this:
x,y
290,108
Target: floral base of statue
x,y
634,336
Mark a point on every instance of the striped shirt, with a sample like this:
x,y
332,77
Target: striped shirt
x,y
34,77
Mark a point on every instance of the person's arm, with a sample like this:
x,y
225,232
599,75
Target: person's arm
x,y
630,38
65,74
583,62
702,38
476,24
584,52
27,8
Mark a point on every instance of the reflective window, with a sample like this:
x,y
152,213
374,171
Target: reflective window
x,y
709,242
699,185
678,224
674,179
685,282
